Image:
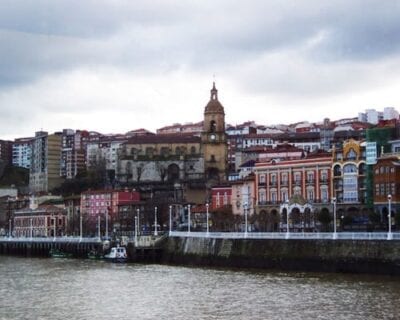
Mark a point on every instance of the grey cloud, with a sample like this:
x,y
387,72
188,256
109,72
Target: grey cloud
x,y
44,37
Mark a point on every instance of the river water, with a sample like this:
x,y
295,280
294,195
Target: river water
x,y
38,288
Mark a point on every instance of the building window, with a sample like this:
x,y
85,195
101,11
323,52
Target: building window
x,y
225,198
324,195
351,155
310,194
262,178
377,189
297,190
350,168
218,203
273,196
262,196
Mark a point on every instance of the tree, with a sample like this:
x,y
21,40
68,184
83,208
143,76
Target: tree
x,y
374,219
162,170
324,217
397,219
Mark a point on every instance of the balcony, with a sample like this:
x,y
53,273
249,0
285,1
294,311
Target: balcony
x,y
310,181
297,182
273,183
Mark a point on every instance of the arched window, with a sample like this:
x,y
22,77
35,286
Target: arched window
x,y
193,150
351,155
213,126
337,171
350,168
173,172
178,151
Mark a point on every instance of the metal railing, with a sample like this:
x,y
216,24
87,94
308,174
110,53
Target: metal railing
x,y
291,235
50,239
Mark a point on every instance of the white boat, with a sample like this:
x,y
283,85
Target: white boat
x,y
117,254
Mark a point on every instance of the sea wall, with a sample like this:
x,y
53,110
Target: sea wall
x,y
356,256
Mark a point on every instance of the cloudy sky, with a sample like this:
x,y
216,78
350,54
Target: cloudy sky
x,y
117,65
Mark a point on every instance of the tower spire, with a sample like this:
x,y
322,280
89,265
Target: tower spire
x,y
214,92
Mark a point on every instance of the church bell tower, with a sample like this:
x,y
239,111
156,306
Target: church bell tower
x,y
213,137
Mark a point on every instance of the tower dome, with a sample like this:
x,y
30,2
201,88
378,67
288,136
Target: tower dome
x,y
214,106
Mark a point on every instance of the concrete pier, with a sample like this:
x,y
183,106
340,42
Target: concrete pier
x,y
41,247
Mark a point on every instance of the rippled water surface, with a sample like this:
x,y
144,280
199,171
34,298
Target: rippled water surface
x,y
83,289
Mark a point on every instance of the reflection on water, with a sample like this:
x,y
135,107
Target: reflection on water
x,y
84,289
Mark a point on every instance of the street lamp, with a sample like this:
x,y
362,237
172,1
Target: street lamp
x,y
334,217
207,205
389,197
138,220
155,222
170,219
287,218
9,228
80,225
31,228
245,218
189,218
136,229
106,224
98,227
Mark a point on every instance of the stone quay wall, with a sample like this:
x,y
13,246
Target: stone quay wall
x,y
353,256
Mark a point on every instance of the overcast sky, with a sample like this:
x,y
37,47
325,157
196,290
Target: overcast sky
x,y
115,66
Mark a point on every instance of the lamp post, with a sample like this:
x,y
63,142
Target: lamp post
x,y
155,222
106,224
55,227
208,229
98,227
188,218
31,228
389,197
136,229
287,219
245,219
80,226
334,217
170,219
9,228
138,220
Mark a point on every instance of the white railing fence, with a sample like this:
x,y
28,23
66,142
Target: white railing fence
x,y
290,235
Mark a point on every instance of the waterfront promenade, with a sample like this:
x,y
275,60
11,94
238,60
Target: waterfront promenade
x,y
291,235
145,240
225,235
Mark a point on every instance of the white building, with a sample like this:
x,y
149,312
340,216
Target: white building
x,y
371,116
22,152
390,113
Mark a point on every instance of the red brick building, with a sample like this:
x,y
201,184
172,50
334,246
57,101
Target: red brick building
x,y
43,221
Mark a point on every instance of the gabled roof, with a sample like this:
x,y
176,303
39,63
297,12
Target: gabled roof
x,y
165,138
